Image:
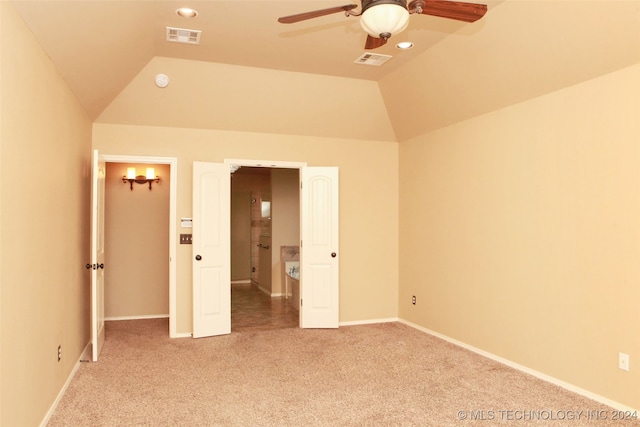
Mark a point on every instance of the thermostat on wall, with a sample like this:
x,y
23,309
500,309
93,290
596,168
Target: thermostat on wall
x,y
186,222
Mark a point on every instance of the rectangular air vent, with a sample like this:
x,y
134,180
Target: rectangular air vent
x,y
374,59
182,35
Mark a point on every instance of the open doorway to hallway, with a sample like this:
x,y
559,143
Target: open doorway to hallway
x,y
137,243
265,220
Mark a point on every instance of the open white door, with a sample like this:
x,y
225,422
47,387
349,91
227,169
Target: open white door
x,y
98,172
211,249
319,266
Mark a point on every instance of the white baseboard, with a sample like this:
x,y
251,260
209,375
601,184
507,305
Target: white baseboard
x,y
537,374
265,290
146,316
369,321
241,282
182,335
63,390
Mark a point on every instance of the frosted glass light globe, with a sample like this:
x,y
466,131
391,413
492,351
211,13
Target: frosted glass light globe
x,y
384,19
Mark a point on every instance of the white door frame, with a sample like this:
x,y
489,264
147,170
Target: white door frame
x,y
98,174
265,163
173,189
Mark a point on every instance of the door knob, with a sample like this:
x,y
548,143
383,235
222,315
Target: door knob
x,y
198,257
88,266
333,254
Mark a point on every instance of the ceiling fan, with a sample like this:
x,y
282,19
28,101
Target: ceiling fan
x,y
383,18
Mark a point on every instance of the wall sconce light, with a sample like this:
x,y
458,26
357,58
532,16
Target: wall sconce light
x,y
131,177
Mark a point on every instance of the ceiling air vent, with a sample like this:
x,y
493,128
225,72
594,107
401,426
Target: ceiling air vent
x,y
374,59
182,35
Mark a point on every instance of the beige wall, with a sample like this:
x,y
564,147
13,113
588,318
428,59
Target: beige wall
x,y
240,235
368,228
285,214
136,244
519,233
45,141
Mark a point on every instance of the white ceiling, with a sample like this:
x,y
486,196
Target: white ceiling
x,y
99,46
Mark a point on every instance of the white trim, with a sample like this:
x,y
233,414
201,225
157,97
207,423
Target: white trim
x,y
183,335
63,390
265,163
265,290
143,317
537,374
241,282
173,196
369,321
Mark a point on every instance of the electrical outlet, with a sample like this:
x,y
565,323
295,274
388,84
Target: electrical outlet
x,y
623,361
59,353
413,300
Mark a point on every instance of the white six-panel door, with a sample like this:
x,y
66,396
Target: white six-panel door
x,y
211,249
319,252
98,172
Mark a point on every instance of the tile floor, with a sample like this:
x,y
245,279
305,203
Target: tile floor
x,y
253,310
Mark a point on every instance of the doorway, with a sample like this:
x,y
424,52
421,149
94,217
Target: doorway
x,y
319,260
168,181
136,240
265,217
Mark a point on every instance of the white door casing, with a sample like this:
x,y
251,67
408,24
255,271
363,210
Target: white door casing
x,y
211,246
319,252
98,172
173,190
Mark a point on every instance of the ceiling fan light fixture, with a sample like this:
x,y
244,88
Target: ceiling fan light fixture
x,y
382,20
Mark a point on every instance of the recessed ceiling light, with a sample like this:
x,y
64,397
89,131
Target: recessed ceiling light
x,y
404,45
187,12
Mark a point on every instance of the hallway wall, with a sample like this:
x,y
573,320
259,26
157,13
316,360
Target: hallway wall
x,y
240,234
136,244
285,225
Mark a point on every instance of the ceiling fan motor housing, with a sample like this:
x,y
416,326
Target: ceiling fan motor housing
x,y
390,17
366,4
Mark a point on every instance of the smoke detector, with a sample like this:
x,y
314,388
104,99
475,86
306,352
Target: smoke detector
x,y
183,35
162,80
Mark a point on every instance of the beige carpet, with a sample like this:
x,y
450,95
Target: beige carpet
x,y
371,375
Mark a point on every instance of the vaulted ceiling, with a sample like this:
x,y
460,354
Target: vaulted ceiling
x,y
519,50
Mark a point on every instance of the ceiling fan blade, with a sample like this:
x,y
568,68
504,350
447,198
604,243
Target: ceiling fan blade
x,y
461,11
374,42
316,13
